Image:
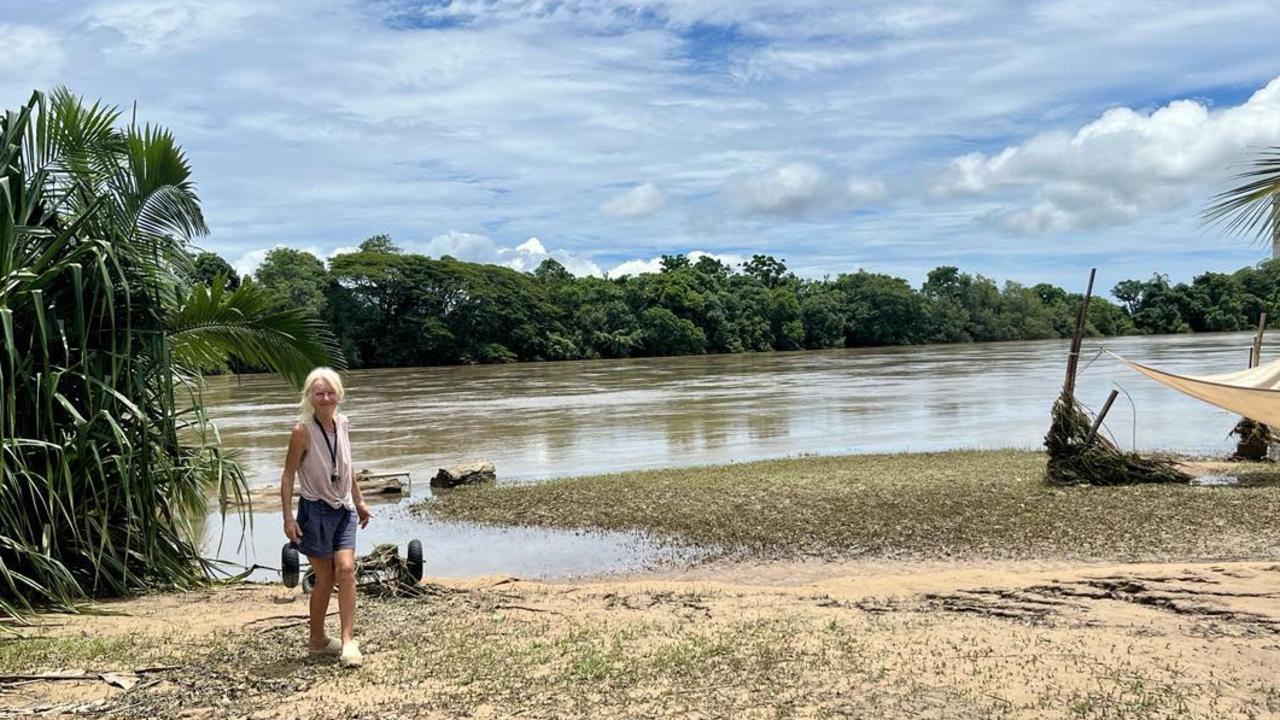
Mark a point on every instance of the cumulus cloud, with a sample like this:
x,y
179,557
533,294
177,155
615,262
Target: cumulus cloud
x,y
463,246
312,117
639,201
524,257
653,265
528,255
1118,168
798,189
248,263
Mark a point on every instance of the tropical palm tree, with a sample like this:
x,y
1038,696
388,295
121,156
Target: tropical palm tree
x,y
107,454
1252,206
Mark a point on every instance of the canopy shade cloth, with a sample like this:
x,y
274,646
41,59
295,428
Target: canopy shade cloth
x,y
1253,393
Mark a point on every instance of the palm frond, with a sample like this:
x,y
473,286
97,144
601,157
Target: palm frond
x,y
212,324
1251,207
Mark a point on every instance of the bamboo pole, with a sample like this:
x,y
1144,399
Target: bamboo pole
x,y
1073,359
1097,422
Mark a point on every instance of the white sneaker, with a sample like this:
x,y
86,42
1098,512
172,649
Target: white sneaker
x,y
332,646
351,656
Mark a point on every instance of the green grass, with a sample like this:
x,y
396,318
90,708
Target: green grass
x,y
953,505
40,654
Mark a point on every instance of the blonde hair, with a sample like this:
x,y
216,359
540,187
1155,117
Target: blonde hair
x,y
306,410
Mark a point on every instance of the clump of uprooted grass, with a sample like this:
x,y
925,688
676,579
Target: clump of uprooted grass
x,y
953,505
1077,459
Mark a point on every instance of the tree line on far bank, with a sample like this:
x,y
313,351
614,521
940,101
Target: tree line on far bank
x,y
391,308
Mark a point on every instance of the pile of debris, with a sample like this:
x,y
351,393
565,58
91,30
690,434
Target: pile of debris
x,y
1078,453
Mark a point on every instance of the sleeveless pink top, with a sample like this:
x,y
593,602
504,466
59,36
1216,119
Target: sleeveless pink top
x,y
317,465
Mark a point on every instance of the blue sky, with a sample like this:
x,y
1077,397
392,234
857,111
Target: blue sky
x,y
1021,140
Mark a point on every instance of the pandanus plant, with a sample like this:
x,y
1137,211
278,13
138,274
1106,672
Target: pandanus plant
x,y
107,452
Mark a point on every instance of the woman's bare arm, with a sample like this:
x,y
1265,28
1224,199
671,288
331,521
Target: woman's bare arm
x,y
297,448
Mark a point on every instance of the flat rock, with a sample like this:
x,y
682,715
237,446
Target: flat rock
x,y
476,472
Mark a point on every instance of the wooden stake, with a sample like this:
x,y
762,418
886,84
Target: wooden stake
x,y
1088,439
1073,359
1256,359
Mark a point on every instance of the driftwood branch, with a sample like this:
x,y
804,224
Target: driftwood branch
x,y
124,679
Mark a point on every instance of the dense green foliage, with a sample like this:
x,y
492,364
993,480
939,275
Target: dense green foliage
x,y
107,454
1213,302
391,308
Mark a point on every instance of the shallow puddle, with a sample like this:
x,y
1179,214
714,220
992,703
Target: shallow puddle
x,y
454,549
1216,480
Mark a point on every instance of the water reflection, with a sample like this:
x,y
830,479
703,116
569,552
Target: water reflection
x,y
452,549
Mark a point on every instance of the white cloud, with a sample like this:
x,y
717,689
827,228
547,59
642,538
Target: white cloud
x,y
639,201
798,189
318,122
27,48
865,191
653,265
524,257
31,59
248,263
532,246
471,247
528,255
636,267
1118,168
152,27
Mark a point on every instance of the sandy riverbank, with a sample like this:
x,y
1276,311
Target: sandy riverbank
x,y
730,640
948,585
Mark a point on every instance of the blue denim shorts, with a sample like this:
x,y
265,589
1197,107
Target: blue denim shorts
x,y
325,529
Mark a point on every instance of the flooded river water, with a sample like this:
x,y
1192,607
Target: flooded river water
x,y
546,420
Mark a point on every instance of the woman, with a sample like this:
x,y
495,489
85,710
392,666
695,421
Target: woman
x,y
328,511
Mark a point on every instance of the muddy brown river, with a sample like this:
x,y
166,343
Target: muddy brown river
x,y
547,420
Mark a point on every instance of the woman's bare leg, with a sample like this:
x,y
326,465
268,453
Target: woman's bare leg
x,y
323,568
344,566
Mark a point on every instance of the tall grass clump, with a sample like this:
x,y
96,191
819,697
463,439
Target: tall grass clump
x,y
107,453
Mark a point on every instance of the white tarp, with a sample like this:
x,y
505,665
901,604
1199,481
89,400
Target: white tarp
x,y
1253,393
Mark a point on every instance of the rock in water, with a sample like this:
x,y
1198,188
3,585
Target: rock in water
x,y
473,473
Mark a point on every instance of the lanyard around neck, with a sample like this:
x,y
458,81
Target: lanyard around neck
x,y
333,448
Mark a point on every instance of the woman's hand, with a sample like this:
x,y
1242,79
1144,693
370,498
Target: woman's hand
x,y
291,530
362,512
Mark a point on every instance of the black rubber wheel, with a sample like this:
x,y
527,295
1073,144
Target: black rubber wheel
x,y
415,559
289,565
308,582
